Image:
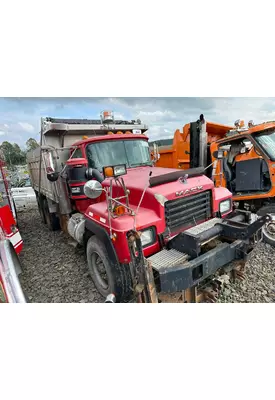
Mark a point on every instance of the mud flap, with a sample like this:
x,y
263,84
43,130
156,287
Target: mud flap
x,y
143,277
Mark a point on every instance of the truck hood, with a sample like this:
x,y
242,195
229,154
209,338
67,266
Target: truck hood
x,y
137,179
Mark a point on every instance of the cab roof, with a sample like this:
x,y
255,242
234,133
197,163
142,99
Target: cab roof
x,y
104,138
234,134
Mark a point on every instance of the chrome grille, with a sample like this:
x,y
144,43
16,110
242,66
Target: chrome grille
x,y
188,211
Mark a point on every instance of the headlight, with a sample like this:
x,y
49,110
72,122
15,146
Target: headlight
x,y
147,237
225,206
114,171
119,170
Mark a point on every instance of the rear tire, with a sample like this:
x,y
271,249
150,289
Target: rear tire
x,y
52,220
108,278
269,228
39,200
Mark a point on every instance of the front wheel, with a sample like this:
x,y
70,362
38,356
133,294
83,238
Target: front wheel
x,y
269,228
107,277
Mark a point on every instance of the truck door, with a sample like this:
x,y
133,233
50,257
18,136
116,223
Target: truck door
x,y
244,170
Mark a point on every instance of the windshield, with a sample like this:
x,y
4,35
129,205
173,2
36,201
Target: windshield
x,y
267,141
133,153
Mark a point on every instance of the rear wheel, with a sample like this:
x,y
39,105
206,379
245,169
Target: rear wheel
x,y
52,220
108,278
39,200
269,228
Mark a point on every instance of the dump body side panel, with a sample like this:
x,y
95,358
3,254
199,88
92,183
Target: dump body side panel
x,y
46,187
55,191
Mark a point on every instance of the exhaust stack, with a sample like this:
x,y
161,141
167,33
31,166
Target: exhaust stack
x,y
198,143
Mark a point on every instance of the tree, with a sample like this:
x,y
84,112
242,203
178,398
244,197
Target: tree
x,y
13,154
20,155
31,144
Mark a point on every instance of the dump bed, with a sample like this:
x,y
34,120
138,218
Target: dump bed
x,y
58,136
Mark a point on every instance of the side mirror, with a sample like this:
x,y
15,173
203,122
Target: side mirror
x,y
49,164
93,189
52,177
156,155
248,145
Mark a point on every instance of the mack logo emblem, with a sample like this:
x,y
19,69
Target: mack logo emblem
x,y
188,191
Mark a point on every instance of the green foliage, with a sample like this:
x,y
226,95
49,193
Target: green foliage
x,y
14,155
31,144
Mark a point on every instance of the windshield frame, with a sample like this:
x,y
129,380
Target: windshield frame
x,y
123,142
268,132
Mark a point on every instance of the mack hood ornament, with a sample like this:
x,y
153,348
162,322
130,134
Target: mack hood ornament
x,y
183,179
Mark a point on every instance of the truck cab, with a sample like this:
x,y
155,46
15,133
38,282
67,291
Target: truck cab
x,y
248,169
197,197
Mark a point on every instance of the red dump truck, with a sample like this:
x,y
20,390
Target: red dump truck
x,y
10,245
151,234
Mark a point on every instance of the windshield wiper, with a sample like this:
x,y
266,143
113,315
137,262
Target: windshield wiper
x,y
148,163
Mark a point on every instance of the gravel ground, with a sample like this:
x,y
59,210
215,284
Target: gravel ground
x,y
55,272
259,283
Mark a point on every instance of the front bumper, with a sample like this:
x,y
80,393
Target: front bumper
x,y
184,264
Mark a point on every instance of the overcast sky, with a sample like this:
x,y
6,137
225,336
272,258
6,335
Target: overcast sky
x,y
20,117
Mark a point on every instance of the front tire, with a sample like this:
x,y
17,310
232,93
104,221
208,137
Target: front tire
x,y
107,277
269,228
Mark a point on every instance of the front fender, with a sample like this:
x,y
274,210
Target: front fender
x,y
103,235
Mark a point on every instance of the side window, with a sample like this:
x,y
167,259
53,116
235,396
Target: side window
x,y
77,153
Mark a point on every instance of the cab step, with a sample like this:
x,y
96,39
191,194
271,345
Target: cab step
x,y
204,226
167,259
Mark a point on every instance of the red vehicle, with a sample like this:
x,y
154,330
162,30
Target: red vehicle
x,y
148,232
10,246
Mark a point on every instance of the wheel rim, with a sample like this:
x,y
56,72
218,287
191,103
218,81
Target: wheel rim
x,y
269,228
100,270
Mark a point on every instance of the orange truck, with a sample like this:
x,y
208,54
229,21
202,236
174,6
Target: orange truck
x,y
238,157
